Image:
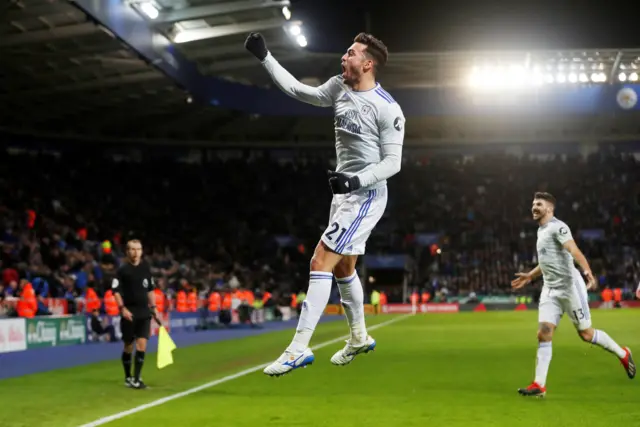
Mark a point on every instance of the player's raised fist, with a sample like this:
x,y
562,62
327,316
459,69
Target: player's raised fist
x,y
255,44
341,183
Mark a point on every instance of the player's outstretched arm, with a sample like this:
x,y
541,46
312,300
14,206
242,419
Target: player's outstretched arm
x,y
322,96
523,279
576,253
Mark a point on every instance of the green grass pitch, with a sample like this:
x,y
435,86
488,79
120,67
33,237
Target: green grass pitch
x,y
449,370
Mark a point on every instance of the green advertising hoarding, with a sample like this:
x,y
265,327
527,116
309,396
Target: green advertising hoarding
x,y
53,331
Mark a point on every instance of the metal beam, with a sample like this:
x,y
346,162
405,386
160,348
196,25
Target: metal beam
x,y
236,64
200,12
47,35
614,68
29,12
228,30
92,84
227,49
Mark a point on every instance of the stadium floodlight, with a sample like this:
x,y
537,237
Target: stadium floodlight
x,y
561,78
537,78
633,77
573,78
622,77
302,40
598,77
583,78
295,30
149,9
286,13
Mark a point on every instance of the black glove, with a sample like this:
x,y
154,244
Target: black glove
x,y
255,44
342,184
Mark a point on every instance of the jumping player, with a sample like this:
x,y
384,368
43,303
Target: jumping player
x,y
369,128
564,291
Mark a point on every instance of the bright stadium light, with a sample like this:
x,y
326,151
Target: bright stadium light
x,y
302,40
573,78
633,77
149,9
561,78
286,13
295,30
622,77
584,78
549,78
537,78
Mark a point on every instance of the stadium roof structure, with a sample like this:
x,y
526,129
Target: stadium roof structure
x,y
63,73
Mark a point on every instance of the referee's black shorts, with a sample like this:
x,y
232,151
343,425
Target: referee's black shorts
x,y
136,328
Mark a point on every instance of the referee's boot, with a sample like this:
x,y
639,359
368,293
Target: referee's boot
x,y
138,384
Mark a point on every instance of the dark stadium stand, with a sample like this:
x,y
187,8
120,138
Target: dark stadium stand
x,y
256,215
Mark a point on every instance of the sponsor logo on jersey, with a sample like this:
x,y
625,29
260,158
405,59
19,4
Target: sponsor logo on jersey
x,y
347,121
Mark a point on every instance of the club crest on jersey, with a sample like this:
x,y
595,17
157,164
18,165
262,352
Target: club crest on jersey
x,y
145,283
366,109
562,231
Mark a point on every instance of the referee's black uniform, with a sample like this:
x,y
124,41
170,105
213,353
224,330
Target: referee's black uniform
x,y
133,283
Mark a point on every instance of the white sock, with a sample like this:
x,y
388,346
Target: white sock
x,y
352,299
602,339
543,360
312,309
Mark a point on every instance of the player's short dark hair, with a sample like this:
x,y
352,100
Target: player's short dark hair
x,y
134,241
543,195
375,49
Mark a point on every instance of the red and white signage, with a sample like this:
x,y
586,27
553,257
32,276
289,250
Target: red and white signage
x,y
422,308
12,335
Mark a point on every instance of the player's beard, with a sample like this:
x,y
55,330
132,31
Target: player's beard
x,y
349,77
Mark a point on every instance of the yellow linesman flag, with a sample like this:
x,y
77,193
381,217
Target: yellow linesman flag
x,y
165,347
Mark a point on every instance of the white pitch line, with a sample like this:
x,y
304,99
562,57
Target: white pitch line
x,y
119,415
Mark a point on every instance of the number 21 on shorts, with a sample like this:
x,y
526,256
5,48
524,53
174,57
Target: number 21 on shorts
x,y
334,229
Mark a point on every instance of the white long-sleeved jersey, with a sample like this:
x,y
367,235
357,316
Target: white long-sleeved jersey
x,y
369,125
555,261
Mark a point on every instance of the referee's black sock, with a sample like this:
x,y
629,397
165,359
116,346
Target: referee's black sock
x,y
138,364
126,363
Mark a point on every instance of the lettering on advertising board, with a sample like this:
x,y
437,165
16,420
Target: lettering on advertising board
x,y
72,331
41,333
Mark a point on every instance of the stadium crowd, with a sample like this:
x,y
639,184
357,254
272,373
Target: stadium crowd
x,y
250,221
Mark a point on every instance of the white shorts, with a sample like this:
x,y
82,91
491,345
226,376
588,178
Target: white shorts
x,y
352,218
571,299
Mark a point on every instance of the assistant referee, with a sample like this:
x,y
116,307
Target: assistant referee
x,y
133,289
